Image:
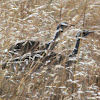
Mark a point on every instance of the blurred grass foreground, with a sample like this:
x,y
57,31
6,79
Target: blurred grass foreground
x,y
37,20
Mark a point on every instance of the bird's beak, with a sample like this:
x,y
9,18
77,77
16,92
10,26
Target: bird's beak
x,y
71,25
91,31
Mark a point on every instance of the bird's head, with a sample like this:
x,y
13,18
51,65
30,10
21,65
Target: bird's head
x,y
84,33
63,25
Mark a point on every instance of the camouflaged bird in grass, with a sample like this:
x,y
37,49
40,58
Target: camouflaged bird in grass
x,y
42,58
26,46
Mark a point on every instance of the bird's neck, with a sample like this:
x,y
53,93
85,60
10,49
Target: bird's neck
x,y
76,48
75,51
58,33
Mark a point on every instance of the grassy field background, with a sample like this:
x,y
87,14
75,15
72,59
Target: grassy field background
x,y
37,20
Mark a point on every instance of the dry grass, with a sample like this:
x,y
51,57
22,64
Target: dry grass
x,y
37,19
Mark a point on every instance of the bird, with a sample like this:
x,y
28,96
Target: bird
x,y
53,58
27,47
79,35
24,46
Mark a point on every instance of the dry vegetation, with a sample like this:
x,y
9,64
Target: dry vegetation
x,y
37,19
